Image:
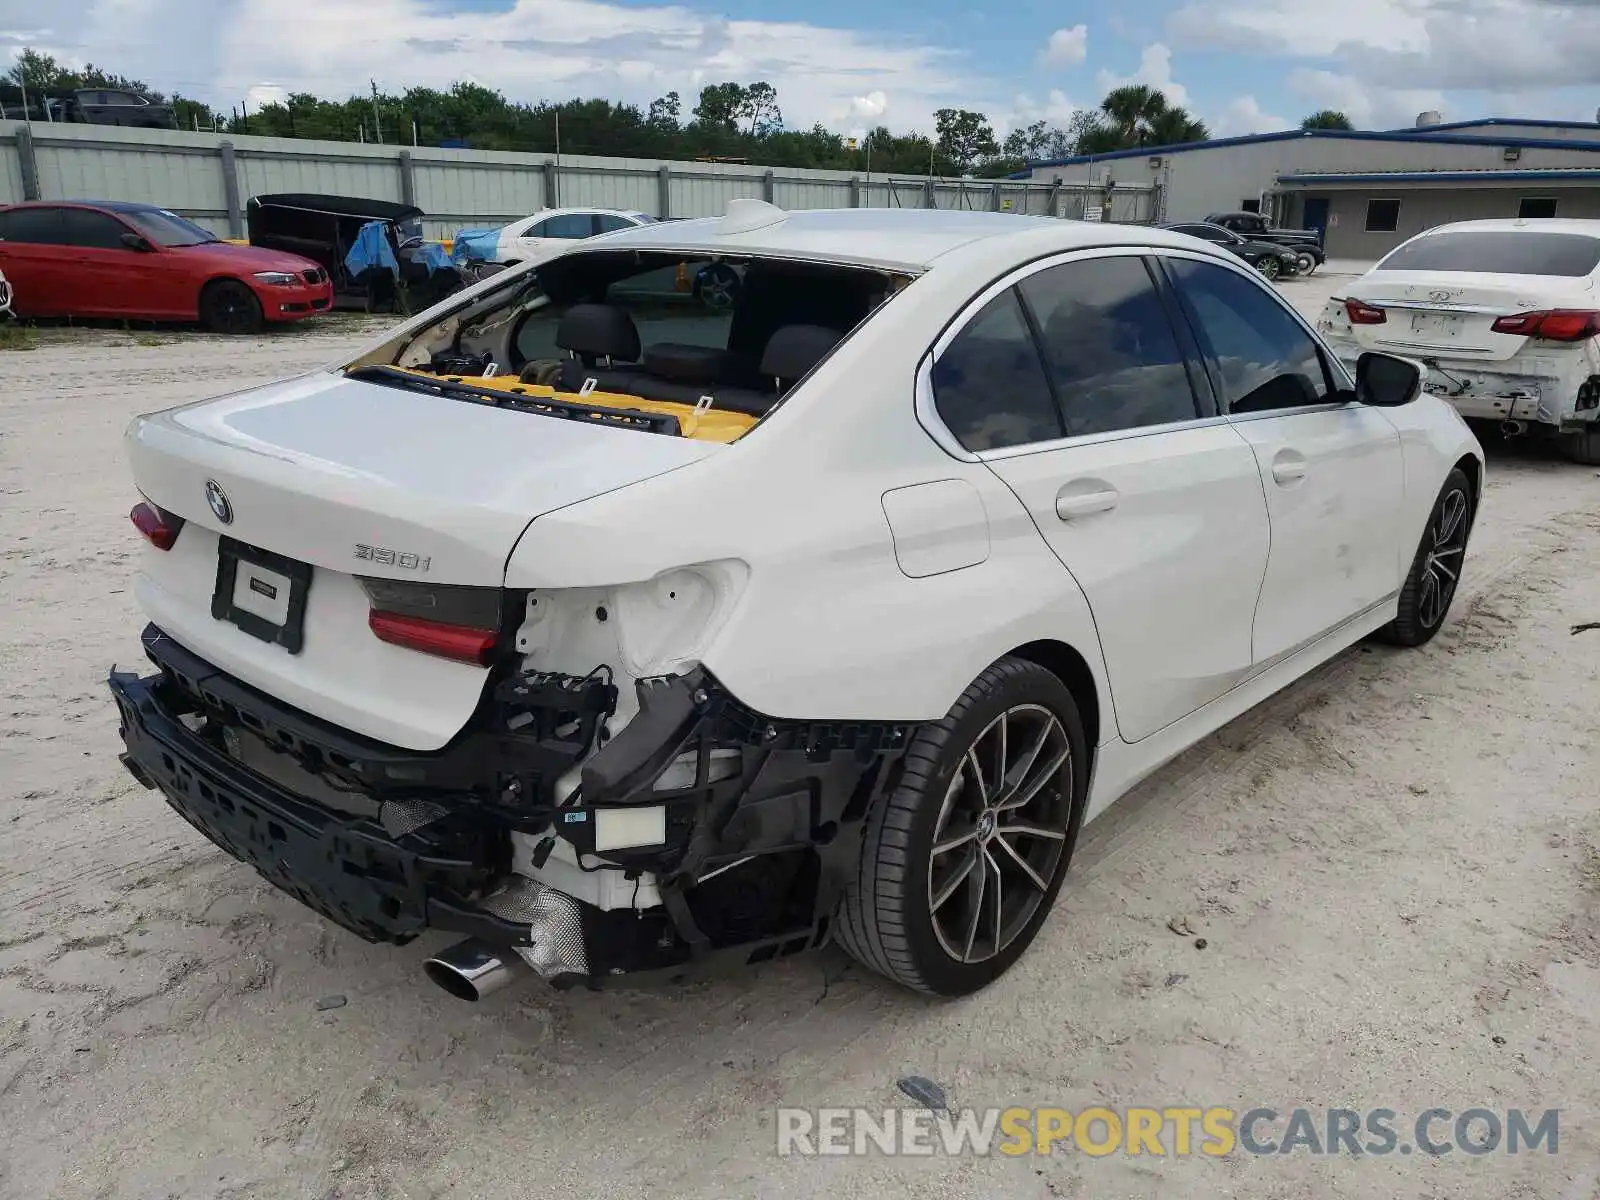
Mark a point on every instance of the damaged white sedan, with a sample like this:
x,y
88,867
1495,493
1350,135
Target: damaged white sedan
x,y
626,633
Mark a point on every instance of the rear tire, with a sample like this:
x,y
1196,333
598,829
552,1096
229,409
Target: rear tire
x,y
1583,446
1010,756
228,306
1436,570
1305,262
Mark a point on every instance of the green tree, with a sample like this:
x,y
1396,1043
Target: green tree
x,y
1132,110
666,112
758,108
1174,127
964,137
720,107
1327,118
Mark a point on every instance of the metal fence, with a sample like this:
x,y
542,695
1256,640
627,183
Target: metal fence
x,y
209,178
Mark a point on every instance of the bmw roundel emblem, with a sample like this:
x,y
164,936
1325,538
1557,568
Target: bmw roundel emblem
x,y
218,499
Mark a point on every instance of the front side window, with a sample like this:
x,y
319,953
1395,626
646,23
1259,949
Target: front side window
x,y
92,230
1383,216
1266,360
989,385
1109,345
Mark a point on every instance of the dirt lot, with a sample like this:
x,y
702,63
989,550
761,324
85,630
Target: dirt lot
x,y
1395,864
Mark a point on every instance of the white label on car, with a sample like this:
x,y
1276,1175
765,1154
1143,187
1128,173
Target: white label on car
x,y
262,593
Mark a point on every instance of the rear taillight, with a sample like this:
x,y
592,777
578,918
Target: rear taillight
x,y
458,642
1364,314
445,620
160,528
1554,325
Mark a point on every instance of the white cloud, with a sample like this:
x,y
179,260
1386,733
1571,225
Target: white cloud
x,y
1243,115
1155,69
219,50
1367,107
870,107
1056,109
1067,47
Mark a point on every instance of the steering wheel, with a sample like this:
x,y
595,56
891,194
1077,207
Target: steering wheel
x,y
718,285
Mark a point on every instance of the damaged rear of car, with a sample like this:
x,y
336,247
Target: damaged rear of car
x,y
373,684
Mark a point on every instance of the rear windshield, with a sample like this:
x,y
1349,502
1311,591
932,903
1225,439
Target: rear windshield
x,y
1500,253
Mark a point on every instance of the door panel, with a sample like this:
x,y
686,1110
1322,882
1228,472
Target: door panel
x,y
1333,487
1331,469
1167,535
32,257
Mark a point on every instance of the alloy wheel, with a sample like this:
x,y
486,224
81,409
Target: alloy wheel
x,y
1269,267
1001,833
1446,550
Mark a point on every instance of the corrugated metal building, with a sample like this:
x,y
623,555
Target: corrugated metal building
x,y
1369,191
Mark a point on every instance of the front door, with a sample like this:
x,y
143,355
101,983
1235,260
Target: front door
x,y
108,278
1316,214
1330,468
1154,506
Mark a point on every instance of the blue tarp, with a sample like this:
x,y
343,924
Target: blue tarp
x,y
432,254
478,245
372,249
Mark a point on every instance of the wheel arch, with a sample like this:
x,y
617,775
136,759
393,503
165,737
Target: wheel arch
x,y
1469,466
1069,666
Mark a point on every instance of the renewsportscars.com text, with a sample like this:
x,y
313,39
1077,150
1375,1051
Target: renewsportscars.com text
x,y
1178,1131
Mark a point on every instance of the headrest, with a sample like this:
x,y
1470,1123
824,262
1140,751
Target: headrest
x,y
794,349
685,364
599,331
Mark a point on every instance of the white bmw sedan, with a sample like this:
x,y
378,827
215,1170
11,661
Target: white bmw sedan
x,y
1504,315
629,635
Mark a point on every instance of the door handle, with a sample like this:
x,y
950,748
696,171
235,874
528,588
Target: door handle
x,y
1084,497
1288,468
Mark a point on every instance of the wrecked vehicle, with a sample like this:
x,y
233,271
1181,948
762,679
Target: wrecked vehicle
x,y
628,635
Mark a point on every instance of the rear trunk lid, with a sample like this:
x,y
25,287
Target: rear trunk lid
x,y
1449,314
353,479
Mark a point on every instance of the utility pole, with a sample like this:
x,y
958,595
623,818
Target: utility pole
x,y
869,170
377,124
558,137
22,78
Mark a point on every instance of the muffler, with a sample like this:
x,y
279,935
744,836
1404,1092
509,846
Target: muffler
x,y
1512,428
472,969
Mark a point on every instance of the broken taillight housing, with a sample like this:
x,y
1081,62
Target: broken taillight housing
x,y
160,528
1364,314
445,620
1553,325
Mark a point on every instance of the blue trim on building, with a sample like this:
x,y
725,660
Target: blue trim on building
x,y
1521,122
1580,174
1290,134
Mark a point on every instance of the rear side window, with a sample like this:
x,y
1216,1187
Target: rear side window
x,y
35,226
1267,361
568,225
1501,252
989,385
1109,345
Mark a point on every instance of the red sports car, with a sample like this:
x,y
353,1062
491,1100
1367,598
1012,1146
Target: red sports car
x,y
112,259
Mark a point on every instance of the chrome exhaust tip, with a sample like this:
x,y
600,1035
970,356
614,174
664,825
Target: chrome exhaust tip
x,y
1512,428
472,969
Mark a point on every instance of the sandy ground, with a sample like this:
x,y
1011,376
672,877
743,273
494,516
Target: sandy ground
x,y
1395,863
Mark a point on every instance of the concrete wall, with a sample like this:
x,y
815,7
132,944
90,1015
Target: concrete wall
x,y
1424,207
189,173
1216,178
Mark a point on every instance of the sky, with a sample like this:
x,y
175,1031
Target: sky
x,y
1242,66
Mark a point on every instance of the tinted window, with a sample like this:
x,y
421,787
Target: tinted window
x,y
1383,216
168,228
38,226
1212,233
570,225
1511,252
1109,345
989,385
92,230
610,222
1265,358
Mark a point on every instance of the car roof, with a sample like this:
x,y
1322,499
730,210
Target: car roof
x,y
897,238
1587,226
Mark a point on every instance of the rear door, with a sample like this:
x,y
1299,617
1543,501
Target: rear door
x,y
1072,383
564,227
33,259
1331,469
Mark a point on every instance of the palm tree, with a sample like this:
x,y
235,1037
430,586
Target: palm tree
x,y
1175,127
1132,108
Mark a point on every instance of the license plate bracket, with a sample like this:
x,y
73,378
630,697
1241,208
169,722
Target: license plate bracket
x,y
262,593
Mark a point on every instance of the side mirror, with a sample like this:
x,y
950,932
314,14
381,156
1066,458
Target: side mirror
x,y
1384,381
137,241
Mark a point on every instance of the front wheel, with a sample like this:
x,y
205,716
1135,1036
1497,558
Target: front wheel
x,y
1270,267
228,306
1436,570
960,865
